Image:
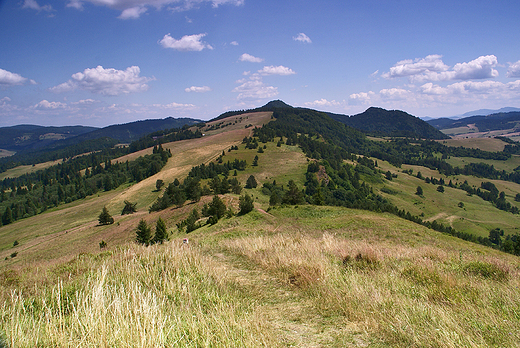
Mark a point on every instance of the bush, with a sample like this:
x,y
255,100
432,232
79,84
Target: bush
x,y
105,218
246,204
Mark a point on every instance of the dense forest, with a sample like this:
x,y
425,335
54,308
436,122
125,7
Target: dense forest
x,y
82,176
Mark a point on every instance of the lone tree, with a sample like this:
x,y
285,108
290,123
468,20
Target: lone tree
x,y
129,208
293,195
246,204
143,233
105,218
159,184
251,182
160,232
419,191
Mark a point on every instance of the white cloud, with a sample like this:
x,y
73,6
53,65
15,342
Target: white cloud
x,y
323,102
234,43
175,106
514,70
8,78
33,5
5,100
255,89
198,89
134,8
395,94
361,98
106,81
132,12
77,4
480,68
276,70
186,43
249,58
302,38
432,68
44,104
419,66
85,102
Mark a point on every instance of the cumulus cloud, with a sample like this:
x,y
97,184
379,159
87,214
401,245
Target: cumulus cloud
x,y
85,102
276,70
254,89
361,98
175,106
418,66
480,68
514,70
33,5
132,12
432,68
198,89
44,104
186,43
132,9
302,38
249,58
394,94
234,43
106,81
8,78
323,102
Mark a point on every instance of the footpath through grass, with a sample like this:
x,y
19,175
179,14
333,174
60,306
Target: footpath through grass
x,y
296,276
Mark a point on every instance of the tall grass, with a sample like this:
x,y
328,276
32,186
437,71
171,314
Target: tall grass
x,y
400,295
142,297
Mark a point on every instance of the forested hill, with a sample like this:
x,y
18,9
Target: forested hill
x,y
395,123
30,137
374,121
498,121
17,138
129,132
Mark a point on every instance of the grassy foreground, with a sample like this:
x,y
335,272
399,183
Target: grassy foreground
x,y
304,276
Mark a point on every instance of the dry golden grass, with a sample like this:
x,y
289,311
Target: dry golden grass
x,y
486,144
304,277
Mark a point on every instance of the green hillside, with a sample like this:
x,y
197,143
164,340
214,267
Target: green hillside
x,y
394,123
339,249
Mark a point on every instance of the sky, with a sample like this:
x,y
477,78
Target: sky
x,y
103,62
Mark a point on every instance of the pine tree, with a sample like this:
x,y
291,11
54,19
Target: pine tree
x,y
129,208
251,182
246,204
160,232
143,233
293,195
105,218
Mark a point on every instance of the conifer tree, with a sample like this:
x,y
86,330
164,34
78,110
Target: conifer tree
x,y
105,218
246,204
143,233
160,232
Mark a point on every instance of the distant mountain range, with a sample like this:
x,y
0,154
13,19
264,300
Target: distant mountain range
x,y
32,137
485,112
379,122
492,122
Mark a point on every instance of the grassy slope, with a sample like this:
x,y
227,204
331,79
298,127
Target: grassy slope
x,y
72,228
288,277
477,216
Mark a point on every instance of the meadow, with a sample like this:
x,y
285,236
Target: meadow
x,y
285,276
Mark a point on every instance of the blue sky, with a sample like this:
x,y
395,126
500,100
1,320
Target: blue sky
x,y
101,62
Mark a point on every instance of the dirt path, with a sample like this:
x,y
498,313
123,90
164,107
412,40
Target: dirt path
x,y
290,310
